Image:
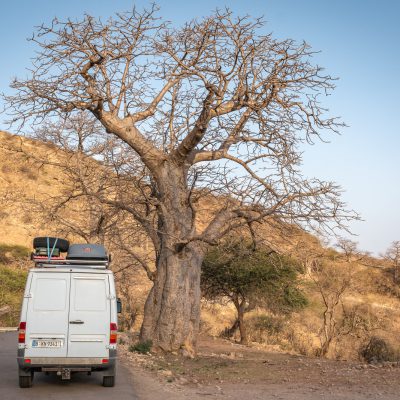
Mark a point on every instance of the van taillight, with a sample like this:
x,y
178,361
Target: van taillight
x,y
21,332
113,333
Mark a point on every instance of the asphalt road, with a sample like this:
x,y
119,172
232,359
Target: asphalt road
x,y
49,387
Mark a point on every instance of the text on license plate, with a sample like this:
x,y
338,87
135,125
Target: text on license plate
x,y
46,343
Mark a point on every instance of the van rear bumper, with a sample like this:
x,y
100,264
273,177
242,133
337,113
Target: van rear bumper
x,y
65,361
93,363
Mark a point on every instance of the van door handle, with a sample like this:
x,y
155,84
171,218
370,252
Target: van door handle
x,y
78,321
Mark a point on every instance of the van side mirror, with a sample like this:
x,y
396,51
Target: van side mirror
x,y
119,306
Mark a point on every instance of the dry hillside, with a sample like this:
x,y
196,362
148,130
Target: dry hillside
x,y
21,176
369,307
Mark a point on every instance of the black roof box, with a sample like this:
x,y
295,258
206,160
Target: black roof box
x,y
87,252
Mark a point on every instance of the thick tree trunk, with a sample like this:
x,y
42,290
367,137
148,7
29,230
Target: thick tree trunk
x,y
172,309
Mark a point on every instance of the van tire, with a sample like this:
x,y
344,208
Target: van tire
x,y
25,381
61,244
108,381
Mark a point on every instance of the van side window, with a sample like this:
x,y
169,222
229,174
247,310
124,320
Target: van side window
x,y
50,294
90,294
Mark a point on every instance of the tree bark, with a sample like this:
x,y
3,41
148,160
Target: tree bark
x,y
172,309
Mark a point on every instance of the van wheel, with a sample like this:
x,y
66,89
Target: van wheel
x,y
25,381
108,381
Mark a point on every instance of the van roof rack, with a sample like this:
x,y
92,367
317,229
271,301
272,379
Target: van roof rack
x,y
45,262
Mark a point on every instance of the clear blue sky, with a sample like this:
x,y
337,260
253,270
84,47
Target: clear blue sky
x,y
359,43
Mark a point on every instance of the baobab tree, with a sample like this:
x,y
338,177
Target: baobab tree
x,y
215,107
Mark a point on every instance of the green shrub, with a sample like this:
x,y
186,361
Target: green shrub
x,y
294,298
9,253
12,284
267,323
266,328
141,347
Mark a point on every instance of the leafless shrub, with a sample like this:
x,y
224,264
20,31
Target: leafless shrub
x,y
378,350
332,282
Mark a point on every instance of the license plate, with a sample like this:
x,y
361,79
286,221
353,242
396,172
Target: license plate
x,y
47,343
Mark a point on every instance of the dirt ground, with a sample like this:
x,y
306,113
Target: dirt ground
x,y
225,370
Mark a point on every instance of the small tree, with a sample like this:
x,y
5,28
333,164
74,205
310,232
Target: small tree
x,y
332,282
393,256
249,278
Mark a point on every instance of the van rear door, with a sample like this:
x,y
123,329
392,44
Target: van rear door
x,y
89,315
47,315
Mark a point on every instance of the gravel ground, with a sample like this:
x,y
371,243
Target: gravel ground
x,y
224,370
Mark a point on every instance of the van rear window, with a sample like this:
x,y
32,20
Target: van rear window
x,y
50,294
90,294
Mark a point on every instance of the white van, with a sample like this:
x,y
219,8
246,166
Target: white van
x,y
69,316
